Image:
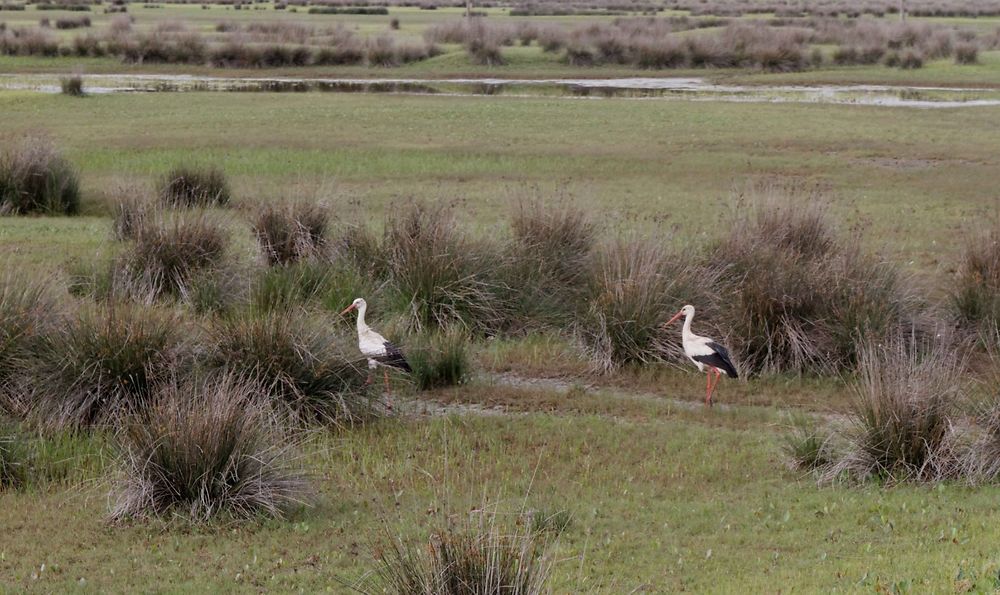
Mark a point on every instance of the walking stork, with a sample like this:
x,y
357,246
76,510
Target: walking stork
x,y
376,348
709,356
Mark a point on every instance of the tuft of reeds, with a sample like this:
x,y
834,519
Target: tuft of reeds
x,y
291,232
976,294
36,178
26,311
966,53
103,364
904,396
807,446
298,364
206,450
193,186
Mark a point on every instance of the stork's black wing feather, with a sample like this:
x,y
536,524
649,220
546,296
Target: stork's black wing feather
x,y
719,359
394,358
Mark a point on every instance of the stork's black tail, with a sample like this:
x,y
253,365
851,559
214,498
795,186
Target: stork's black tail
x,y
394,358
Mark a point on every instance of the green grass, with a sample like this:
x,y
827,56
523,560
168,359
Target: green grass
x,y
670,503
655,164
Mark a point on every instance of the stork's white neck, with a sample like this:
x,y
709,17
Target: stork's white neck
x,y
686,333
362,326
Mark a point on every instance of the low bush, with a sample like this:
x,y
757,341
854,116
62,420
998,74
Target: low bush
x,y
191,186
207,450
299,364
439,359
36,178
103,364
292,232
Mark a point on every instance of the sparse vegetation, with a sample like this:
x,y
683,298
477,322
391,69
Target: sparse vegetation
x,y
440,359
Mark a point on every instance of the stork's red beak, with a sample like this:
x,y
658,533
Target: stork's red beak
x,y
674,319
347,309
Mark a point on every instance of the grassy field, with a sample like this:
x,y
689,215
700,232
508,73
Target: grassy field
x,y
663,495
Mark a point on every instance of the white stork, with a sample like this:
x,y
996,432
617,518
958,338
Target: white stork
x,y
709,356
375,347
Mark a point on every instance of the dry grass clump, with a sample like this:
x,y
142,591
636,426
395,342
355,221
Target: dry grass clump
x,y
636,286
204,450
169,250
72,85
977,290
483,556
36,178
195,186
13,457
807,446
131,211
966,53
298,363
104,363
905,395
482,40
291,232
796,296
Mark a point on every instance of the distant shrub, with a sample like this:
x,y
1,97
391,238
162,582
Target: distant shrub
x,y
191,186
207,450
72,23
72,85
36,178
440,359
103,364
394,24
298,364
291,232
966,53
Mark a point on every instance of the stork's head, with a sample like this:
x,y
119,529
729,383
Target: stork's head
x,y
687,310
356,304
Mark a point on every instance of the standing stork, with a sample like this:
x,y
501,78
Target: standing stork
x,y
376,348
709,356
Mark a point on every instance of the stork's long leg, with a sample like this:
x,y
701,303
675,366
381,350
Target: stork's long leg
x,y
371,378
712,385
708,387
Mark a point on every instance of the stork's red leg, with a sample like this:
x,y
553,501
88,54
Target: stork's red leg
x,y
371,378
718,373
708,387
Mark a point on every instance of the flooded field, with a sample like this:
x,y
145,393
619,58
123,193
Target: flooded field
x,y
683,89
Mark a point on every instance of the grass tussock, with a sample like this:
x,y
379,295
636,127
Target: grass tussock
x,y
14,459
298,363
440,359
484,556
169,251
207,450
26,312
807,446
105,363
901,419
797,295
292,232
635,288
976,296
72,85
36,178
195,186
131,211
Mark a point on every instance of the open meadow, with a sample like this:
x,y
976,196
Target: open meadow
x,y
191,196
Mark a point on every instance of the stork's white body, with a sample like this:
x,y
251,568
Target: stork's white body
x,y
707,354
370,343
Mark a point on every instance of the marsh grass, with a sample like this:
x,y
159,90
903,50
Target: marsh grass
x,y
36,178
104,363
440,359
905,395
291,232
207,450
72,85
806,445
300,366
976,294
484,554
27,310
195,186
